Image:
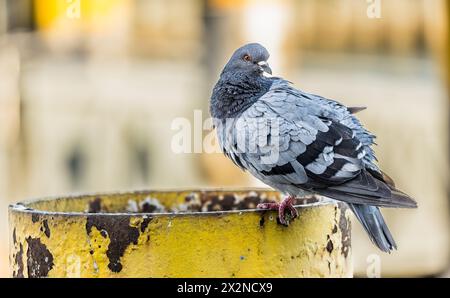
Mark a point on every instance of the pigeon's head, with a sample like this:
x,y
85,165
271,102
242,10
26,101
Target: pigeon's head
x,y
250,59
242,81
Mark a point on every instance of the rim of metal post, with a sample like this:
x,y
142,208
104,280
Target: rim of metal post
x,y
25,205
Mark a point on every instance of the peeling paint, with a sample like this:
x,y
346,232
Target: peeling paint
x,y
335,229
95,206
145,223
120,234
46,228
261,221
39,258
330,246
35,218
150,205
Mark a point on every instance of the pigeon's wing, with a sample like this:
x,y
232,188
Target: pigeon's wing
x,y
288,139
371,177
331,153
291,139
344,115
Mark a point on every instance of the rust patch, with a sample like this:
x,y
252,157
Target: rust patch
x,y
330,246
46,228
262,221
145,222
148,208
345,227
95,206
150,205
249,202
193,203
307,200
34,218
215,203
335,229
228,201
39,258
18,259
120,233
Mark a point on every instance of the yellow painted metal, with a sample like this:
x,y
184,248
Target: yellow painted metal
x,y
58,238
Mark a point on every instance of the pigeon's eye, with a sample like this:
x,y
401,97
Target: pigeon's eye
x,y
247,57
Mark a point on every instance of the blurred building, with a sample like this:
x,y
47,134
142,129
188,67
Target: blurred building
x,y
89,89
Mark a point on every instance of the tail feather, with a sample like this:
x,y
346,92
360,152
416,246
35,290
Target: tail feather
x,y
367,188
365,194
354,110
373,222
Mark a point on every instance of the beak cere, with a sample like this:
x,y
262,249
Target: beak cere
x,y
265,69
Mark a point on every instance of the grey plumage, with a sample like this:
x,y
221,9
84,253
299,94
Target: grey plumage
x,y
374,224
296,142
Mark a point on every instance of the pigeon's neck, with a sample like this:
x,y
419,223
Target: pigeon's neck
x,y
233,94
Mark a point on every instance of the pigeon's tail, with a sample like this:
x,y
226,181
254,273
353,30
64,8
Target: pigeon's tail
x,y
373,222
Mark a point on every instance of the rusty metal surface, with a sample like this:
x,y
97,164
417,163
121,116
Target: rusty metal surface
x,y
215,233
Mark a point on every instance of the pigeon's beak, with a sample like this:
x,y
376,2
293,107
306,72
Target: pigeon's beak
x,y
265,69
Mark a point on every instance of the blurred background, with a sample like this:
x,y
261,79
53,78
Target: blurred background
x,y
89,91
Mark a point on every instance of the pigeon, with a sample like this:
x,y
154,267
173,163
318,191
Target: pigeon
x,y
300,143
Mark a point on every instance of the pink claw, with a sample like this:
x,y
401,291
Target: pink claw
x,y
287,203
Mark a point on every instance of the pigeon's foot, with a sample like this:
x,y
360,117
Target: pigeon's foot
x,y
286,205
